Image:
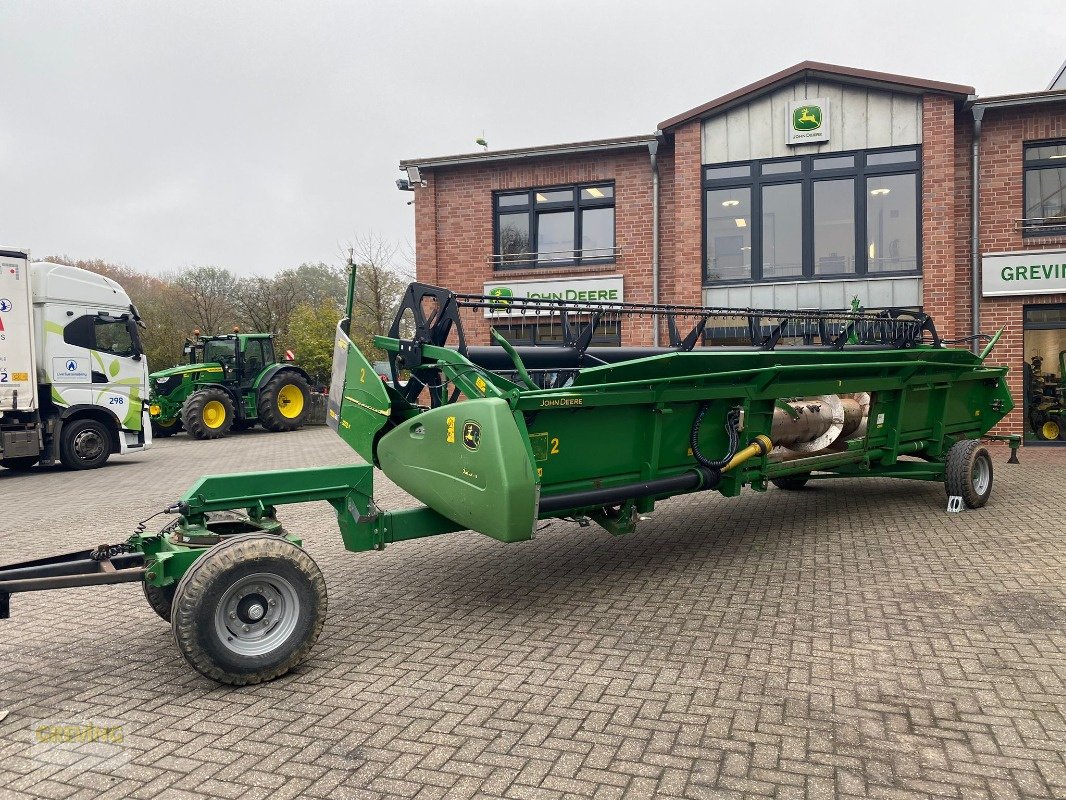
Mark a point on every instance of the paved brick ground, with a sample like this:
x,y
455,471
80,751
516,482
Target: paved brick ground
x,y
852,640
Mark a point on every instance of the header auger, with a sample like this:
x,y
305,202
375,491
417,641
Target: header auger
x,y
497,438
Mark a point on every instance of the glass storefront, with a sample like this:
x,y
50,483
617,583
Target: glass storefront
x,y
1045,373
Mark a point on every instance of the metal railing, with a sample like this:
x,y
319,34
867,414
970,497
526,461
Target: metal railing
x,y
532,260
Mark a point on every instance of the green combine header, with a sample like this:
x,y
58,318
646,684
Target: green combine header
x,y
498,438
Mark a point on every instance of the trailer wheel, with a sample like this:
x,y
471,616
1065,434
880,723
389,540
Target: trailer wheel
x,y
969,473
84,444
20,464
249,609
791,483
160,598
208,413
284,402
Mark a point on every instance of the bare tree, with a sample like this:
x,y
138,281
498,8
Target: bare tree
x,y
380,283
266,304
209,296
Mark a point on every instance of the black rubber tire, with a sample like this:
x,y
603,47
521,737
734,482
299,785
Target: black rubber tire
x,y
269,411
203,587
1050,429
963,459
77,452
20,464
791,483
192,413
161,599
161,430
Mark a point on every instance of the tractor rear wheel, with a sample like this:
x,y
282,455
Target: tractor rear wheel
x,y
969,473
161,428
208,413
791,483
160,598
284,402
249,609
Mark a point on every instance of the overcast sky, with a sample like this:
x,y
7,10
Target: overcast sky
x,y
259,135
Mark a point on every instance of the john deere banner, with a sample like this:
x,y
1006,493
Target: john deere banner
x,y
1027,272
808,120
602,288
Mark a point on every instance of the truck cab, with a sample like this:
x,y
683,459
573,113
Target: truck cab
x,y
82,357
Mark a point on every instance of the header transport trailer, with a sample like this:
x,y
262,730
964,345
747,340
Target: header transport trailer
x,y
496,438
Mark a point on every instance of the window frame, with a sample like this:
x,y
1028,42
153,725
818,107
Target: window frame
x,y
533,209
806,176
1030,166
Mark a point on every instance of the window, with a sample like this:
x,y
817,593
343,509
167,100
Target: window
x,y
554,227
816,216
1045,189
103,333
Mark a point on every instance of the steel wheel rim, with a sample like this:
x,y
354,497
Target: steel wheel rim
x,y
981,475
88,445
1050,430
290,401
257,614
214,414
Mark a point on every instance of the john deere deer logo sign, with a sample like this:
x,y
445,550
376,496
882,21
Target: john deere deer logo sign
x,y
808,121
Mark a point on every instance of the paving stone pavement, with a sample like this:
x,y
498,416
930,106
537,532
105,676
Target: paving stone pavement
x,y
850,640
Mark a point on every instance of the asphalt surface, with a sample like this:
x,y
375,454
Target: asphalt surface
x,y
849,640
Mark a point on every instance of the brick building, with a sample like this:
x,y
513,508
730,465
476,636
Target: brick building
x,y
809,188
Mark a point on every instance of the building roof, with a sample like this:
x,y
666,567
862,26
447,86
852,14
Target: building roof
x,y
1059,81
817,69
1022,99
519,153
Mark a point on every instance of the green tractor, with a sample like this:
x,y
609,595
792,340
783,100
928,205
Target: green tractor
x,y
231,382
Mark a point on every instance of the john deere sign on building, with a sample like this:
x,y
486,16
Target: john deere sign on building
x,y
1026,272
808,121
599,288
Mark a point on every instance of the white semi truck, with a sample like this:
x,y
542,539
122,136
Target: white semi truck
x,y
73,376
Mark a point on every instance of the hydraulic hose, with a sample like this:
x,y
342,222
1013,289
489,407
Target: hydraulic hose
x,y
732,425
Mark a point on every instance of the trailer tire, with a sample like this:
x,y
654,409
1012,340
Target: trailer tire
x,y
217,623
84,444
160,598
791,483
208,413
20,464
284,402
969,473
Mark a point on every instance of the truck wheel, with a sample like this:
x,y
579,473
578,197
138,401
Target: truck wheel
x,y
791,483
249,609
284,402
160,598
20,464
84,444
161,428
969,473
208,413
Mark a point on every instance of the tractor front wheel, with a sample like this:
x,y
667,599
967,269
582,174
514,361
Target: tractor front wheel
x,y
284,402
969,473
249,609
169,427
208,413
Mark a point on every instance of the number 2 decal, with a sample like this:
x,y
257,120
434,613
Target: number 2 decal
x,y
555,447
3,376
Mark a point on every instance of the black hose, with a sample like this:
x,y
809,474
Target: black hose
x,y
732,425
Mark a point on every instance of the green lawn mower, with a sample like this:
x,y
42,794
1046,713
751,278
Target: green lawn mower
x,y
231,382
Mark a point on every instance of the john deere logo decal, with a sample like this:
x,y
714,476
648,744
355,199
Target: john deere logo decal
x,y
471,435
500,295
807,118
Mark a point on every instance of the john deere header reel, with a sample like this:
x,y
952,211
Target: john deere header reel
x,y
230,382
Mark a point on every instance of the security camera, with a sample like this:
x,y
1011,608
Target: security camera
x,y
404,185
